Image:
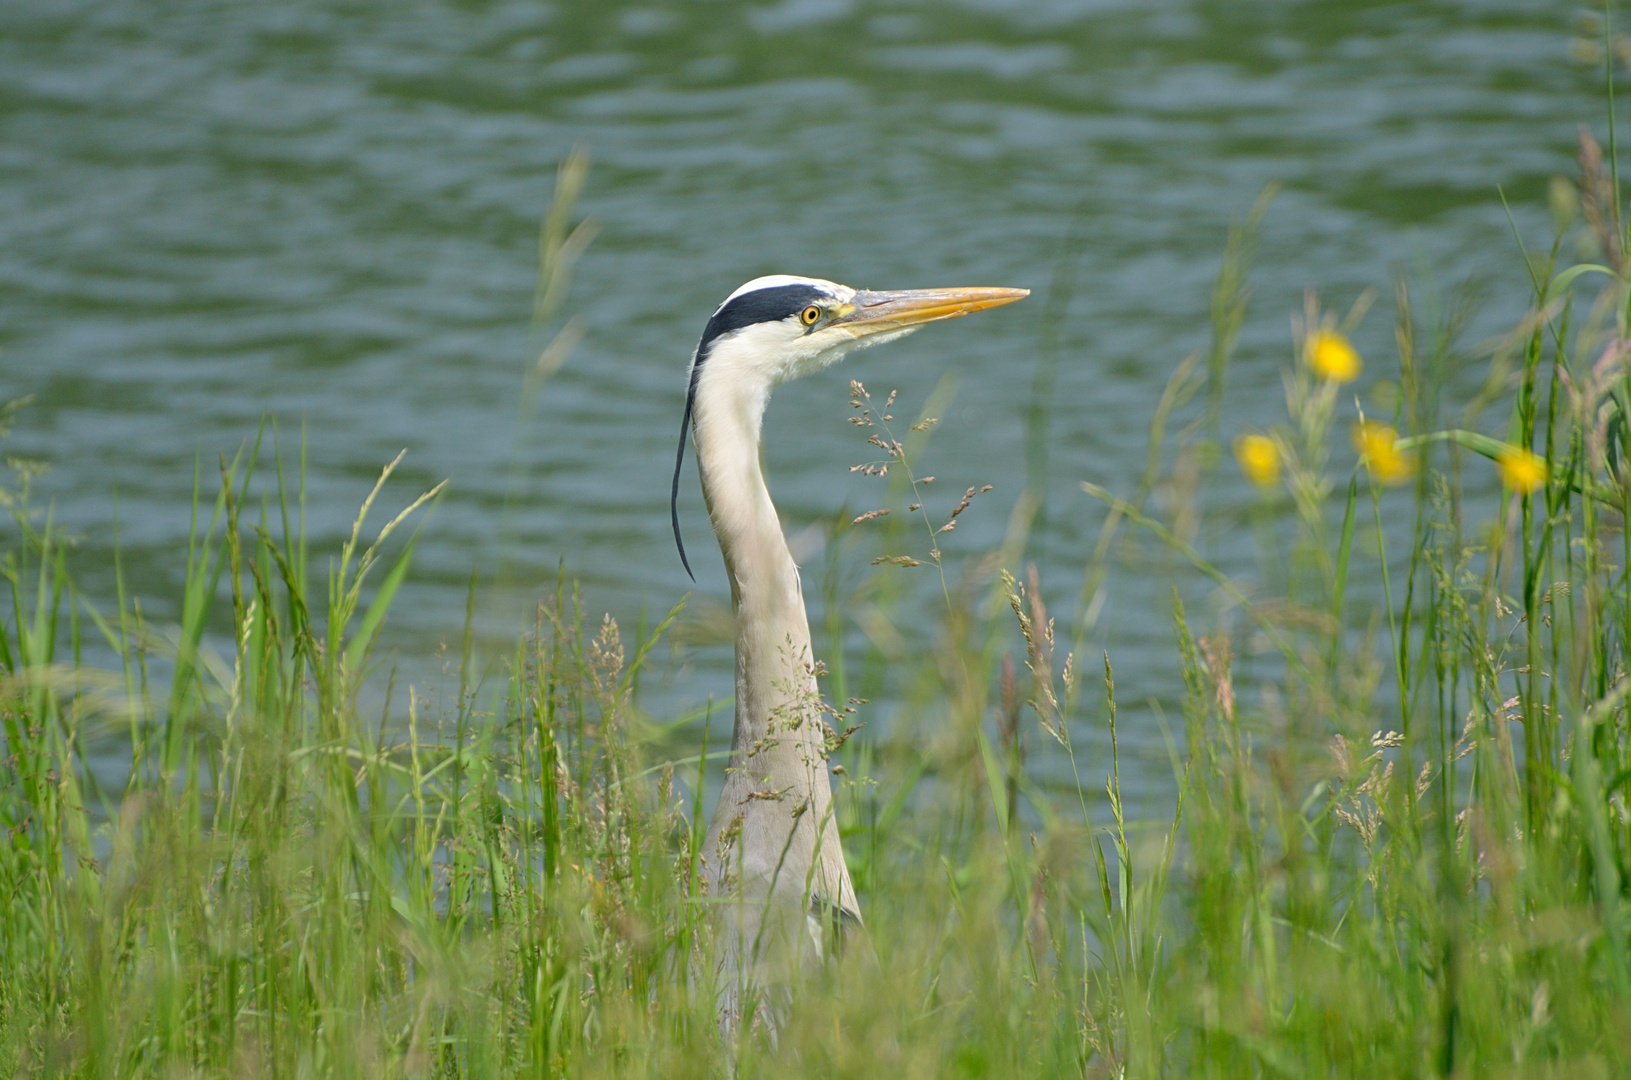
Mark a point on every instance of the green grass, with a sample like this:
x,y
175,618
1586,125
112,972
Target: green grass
x,y
1399,843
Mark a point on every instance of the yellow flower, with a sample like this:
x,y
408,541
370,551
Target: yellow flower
x,y
1259,459
1378,447
1522,470
1331,356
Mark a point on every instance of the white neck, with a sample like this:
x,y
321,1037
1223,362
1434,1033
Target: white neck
x,y
772,633
778,747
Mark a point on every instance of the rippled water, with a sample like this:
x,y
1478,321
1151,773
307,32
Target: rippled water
x,y
327,212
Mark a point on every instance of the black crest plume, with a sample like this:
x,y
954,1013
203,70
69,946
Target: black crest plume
x,y
679,462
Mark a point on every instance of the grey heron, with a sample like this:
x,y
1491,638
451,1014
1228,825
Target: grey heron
x,y
774,865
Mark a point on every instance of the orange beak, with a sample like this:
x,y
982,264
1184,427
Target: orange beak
x,y
874,312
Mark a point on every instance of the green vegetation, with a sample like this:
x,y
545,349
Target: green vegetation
x,y
1400,850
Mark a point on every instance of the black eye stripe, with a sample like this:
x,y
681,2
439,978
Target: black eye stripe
x,y
760,305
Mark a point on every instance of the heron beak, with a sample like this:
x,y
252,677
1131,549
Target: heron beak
x,y
877,312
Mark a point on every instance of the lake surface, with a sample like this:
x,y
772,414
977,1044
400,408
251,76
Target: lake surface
x,y
327,213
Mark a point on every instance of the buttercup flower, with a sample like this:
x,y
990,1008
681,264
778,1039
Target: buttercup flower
x,y
1522,470
1259,459
1332,356
1378,447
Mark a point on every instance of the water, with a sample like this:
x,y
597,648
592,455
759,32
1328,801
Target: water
x,y
327,213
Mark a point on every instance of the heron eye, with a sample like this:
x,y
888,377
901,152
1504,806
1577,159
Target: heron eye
x,y
809,315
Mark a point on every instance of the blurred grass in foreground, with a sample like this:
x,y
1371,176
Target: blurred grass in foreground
x,y
1406,855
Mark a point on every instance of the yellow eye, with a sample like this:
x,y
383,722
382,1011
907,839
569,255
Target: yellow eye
x,y
809,315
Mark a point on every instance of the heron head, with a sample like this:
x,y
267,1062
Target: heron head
x,y
778,328
781,327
